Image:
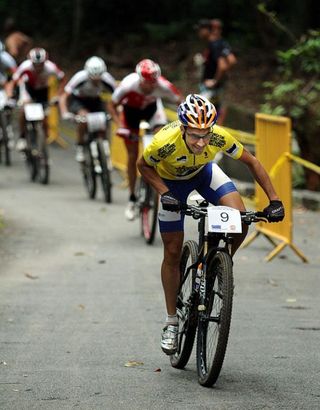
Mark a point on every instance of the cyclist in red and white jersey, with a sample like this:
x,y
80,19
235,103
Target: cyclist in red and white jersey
x,y
140,95
32,76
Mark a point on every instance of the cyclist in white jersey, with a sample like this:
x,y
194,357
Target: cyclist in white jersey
x,y
84,93
140,95
32,76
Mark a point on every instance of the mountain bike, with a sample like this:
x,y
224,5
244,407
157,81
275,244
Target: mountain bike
x,y
6,130
36,152
97,155
147,198
204,302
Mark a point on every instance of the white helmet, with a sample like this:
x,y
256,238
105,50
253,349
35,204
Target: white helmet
x,y
95,66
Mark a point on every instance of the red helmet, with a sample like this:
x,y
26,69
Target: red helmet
x,y
38,55
148,70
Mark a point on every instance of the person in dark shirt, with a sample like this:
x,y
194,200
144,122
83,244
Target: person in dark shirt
x,y
216,60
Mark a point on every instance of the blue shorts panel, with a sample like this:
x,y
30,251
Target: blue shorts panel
x,y
205,184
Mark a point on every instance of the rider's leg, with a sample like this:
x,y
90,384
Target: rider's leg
x,y
22,124
132,150
46,127
170,269
82,127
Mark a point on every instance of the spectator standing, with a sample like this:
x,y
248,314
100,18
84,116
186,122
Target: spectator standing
x,y
17,43
216,60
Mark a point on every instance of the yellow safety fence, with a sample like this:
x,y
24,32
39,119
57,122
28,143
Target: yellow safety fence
x,y
273,149
53,118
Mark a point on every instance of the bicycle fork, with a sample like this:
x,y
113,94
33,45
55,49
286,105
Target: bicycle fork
x,y
201,286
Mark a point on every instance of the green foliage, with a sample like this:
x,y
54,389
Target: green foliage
x,y
297,92
299,86
165,32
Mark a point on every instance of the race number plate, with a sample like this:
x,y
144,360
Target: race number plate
x,y
96,121
34,112
224,220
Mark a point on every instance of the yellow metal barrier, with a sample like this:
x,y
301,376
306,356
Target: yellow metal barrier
x,y
273,139
53,118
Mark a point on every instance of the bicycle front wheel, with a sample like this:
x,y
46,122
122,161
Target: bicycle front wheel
x,y
149,213
31,153
88,172
105,173
214,322
43,158
186,306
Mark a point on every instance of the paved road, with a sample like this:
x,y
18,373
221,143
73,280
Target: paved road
x,y
80,296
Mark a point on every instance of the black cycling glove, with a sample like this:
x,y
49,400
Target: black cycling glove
x,y
274,212
170,202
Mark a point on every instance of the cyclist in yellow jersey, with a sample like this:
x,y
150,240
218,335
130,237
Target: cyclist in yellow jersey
x,y
178,161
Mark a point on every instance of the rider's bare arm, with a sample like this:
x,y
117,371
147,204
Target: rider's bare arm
x,y
259,174
112,109
151,176
63,102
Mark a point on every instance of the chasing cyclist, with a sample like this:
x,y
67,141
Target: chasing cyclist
x,y
7,66
84,93
140,95
32,76
178,161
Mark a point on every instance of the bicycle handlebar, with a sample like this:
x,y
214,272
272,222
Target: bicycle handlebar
x,y
83,118
247,217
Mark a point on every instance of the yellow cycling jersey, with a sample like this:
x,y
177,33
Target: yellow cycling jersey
x,y
170,156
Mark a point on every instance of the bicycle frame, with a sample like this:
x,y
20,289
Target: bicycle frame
x,y
208,245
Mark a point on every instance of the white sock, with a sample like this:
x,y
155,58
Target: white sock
x,y
172,320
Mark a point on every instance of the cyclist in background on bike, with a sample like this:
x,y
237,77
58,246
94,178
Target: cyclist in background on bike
x,y
7,67
140,95
32,76
178,161
84,93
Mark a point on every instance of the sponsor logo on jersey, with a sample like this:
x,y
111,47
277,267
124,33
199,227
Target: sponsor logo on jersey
x,y
182,159
233,150
154,160
166,150
217,140
183,171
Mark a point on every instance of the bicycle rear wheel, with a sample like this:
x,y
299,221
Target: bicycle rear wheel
x,y
105,173
186,306
214,322
148,212
88,172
